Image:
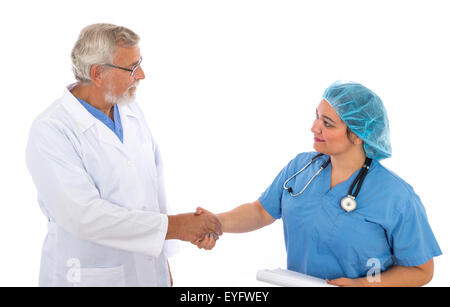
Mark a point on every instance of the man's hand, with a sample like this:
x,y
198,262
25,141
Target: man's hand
x,y
192,227
209,241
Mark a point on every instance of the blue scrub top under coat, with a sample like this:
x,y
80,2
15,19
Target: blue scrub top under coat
x,y
322,240
115,126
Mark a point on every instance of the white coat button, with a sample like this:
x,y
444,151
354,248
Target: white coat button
x,y
130,163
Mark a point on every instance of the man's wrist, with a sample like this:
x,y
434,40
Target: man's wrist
x,y
172,227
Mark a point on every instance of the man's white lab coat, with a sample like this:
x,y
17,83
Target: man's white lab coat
x,y
104,200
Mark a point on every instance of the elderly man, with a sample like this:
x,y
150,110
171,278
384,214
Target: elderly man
x,y
98,173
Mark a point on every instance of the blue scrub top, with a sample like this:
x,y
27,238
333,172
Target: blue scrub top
x,y
322,240
115,126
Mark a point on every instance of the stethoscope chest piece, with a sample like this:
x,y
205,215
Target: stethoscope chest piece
x,y
348,203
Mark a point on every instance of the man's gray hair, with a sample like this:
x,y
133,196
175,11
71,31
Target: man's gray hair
x,y
96,45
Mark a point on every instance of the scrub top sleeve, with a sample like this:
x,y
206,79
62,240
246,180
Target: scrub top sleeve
x,y
271,198
412,239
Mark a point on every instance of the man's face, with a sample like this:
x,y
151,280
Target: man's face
x,y
120,86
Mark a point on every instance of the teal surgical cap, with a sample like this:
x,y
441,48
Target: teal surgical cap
x,y
364,114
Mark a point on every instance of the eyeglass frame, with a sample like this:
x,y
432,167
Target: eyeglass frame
x,y
132,70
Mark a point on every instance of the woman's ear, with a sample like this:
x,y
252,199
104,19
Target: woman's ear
x,y
353,137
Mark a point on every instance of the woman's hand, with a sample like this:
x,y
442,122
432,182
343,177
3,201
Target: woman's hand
x,y
209,241
346,282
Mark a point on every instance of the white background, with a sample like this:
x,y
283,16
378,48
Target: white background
x,y
230,96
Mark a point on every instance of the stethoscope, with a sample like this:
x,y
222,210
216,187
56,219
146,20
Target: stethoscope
x,y
348,203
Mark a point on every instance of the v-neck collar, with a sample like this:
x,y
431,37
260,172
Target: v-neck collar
x,y
85,120
115,126
340,190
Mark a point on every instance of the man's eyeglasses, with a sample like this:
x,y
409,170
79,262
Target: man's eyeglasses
x,y
131,70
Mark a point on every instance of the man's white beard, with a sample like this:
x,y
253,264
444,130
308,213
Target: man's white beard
x,y
126,98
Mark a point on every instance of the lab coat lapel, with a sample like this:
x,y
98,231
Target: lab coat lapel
x,y
87,121
136,138
105,135
125,114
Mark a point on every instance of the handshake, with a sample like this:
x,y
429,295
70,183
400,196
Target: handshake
x,y
201,228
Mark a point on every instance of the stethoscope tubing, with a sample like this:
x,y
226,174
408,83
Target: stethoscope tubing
x,y
358,180
324,165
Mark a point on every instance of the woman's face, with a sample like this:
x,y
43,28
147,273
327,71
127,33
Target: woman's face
x,y
330,132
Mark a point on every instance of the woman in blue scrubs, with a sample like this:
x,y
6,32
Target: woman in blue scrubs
x,y
388,230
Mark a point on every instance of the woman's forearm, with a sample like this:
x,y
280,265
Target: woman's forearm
x,y
245,218
402,276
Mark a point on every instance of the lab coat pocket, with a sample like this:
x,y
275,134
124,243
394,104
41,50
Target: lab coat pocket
x,y
102,277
